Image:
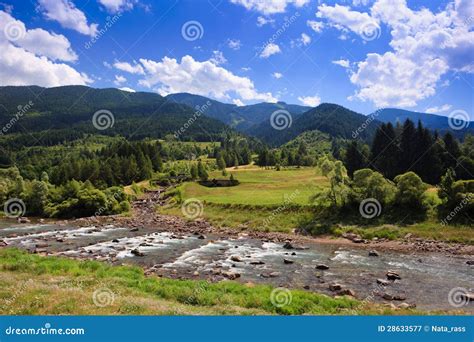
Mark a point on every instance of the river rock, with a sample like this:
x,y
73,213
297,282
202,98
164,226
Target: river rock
x,y
230,275
322,267
201,237
346,292
23,220
235,258
136,252
391,275
382,282
335,287
288,261
115,240
373,253
3,243
470,262
270,275
288,245
406,306
390,296
468,297
257,262
134,230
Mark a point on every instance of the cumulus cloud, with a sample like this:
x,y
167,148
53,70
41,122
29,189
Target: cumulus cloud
x,y
269,7
66,14
206,78
119,79
116,6
28,56
424,47
302,41
311,101
440,109
234,44
342,62
37,41
130,90
261,21
127,67
218,57
270,49
316,26
277,75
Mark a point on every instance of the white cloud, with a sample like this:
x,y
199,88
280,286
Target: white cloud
x,y
130,90
116,6
440,109
238,102
24,61
270,49
202,78
234,44
218,57
66,13
342,62
269,6
277,75
316,26
39,41
303,40
261,21
127,67
425,46
311,101
119,79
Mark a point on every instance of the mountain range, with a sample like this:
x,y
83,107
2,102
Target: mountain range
x,y
143,114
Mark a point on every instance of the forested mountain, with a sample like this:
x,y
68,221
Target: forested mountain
x,y
243,118
431,121
335,120
135,115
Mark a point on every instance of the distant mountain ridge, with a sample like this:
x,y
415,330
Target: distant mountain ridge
x,y
241,118
431,121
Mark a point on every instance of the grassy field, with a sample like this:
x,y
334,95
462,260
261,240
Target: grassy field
x,y
270,200
261,187
36,285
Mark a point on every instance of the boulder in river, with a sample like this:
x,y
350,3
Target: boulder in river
x,y
391,275
136,252
470,262
256,262
288,261
373,253
23,220
235,258
382,282
346,292
3,243
335,287
288,245
230,275
322,267
270,275
390,296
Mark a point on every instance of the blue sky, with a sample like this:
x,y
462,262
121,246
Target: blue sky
x,y
362,54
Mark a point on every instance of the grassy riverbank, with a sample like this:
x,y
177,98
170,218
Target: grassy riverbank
x,y
36,285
